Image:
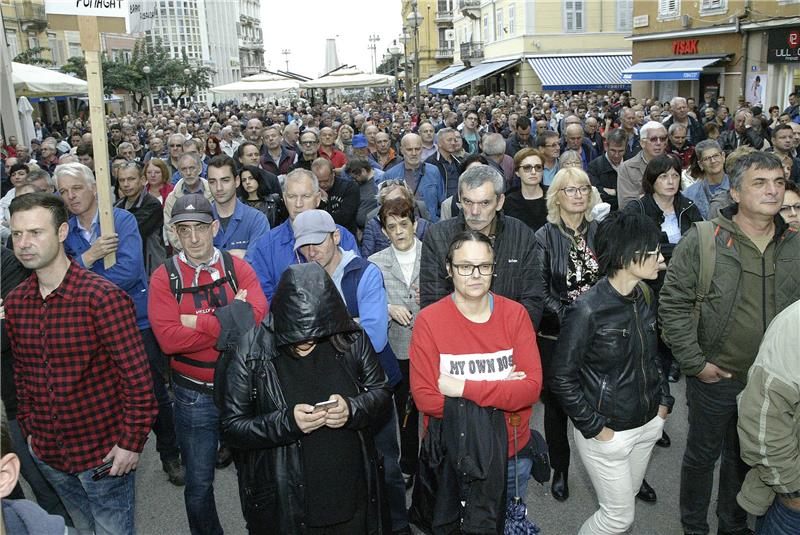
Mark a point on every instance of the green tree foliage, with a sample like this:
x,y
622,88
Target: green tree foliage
x,y
33,56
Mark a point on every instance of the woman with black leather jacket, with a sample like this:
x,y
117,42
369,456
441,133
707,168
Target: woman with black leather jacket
x,y
567,267
301,468
606,372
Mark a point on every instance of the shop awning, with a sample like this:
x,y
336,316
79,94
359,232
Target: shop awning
x,y
578,73
673,69
449,85
441,75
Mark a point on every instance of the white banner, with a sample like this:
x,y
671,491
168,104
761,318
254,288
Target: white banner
x,y
478,366
139,14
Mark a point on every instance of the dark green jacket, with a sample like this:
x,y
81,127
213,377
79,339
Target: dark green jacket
x,y
693,345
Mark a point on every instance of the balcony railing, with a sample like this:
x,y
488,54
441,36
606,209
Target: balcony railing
x,y
444,17
470,8
471,51
444,53
31,15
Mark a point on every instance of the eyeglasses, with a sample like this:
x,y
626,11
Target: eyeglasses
x,y
178,145
714,157
391,183
573,191
467,270
660,139
184,231
648,254
529,168
790,208
308,143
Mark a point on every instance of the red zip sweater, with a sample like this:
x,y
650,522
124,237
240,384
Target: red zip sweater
x,y
198,344
444,341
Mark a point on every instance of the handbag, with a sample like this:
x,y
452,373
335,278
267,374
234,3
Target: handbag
x,y
540,469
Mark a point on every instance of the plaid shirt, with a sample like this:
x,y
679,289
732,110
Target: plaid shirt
x,y
82,376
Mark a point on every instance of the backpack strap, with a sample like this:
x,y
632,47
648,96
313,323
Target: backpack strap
x,y
707,234
176,277
230,271
647,293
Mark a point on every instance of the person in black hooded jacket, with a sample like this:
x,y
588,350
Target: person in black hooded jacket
x,y
302,470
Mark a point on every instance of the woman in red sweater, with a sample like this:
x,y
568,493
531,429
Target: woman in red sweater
x,y
477,345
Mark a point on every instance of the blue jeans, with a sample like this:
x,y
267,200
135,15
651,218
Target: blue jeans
x,y
386,442
105,507
164,426
525,464
779,520
712,435
197,427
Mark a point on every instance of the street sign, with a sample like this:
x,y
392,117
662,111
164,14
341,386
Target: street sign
x,y
138,14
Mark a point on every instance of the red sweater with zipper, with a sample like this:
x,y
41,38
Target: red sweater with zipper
x,y
444,341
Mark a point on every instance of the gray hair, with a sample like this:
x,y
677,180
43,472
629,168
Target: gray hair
x,y
125,145
478,175
753,160
195,156
494,145
274,127
644,132
443,132
299,174
618,136
676,126
39,174
675,100
570,156
706,144
75,170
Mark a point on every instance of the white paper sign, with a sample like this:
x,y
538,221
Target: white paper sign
x,y
478,366
139,14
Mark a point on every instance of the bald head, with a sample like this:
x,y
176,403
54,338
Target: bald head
x,y
574,136
411,148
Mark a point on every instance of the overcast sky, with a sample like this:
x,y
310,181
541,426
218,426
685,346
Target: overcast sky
x,y
303,27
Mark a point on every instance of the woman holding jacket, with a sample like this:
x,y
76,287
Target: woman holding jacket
x,y
606,373
301,468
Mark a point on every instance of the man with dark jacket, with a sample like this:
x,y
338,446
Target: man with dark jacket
x,y
715,339
342,197
480,191
276,159
148,212
315,353
445,161
680,115
602,170
742,133
521,138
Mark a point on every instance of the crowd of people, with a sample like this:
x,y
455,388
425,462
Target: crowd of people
x,y
356,301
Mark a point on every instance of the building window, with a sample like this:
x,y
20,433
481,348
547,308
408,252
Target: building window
x,y
13,43
56,49
75,50
713,7
512,12
624,15
498,26
573,16
486,28
669,9
33,41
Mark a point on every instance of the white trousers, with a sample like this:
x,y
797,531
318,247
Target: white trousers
x,y
616,468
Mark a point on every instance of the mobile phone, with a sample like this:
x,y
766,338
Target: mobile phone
x,y
324,405
102,471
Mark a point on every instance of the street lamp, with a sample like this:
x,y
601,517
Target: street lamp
x,y
415,21
146,70
186,73
373,45
286,53
405,38
394,51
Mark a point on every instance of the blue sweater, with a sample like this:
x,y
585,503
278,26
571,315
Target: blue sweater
x,y
246,225
430,186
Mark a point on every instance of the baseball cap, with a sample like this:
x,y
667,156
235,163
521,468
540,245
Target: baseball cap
x,y
312,227
360,141
192,207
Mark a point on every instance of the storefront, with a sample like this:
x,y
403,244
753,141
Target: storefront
x,y
687,64
777,73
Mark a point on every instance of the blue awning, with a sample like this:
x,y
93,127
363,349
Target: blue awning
x,y
674,69
580,73
449,85
441,75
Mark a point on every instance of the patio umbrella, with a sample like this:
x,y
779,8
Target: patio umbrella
x,y
27,132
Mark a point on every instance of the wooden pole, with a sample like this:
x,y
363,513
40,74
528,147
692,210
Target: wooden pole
x,y
90,42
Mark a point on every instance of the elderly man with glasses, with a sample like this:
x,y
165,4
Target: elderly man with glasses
x,y
653,138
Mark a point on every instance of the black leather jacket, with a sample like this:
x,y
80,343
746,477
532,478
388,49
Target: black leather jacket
x,y
551,257
685,209
265,437
605,368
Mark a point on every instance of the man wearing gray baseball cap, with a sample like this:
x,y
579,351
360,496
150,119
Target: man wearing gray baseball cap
x,y
316,239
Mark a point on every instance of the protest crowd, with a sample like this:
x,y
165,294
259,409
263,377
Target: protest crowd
x,y
362,302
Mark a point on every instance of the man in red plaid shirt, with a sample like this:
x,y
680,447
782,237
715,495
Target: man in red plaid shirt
x,y
82,376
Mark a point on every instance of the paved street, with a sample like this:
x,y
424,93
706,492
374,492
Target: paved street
x,y
160,505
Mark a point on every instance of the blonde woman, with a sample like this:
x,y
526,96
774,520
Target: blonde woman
x,y
344,141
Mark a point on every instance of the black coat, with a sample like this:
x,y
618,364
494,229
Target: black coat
x,y
603,175
515,270
552,262
606,371
265,437
685,209
696,131
751,138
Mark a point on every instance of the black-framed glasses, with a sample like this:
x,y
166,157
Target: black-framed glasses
x,y
572,191
466,270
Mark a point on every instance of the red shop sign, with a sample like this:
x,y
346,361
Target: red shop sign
x,y
684,46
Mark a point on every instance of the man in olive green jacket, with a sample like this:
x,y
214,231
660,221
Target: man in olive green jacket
x,y
769,428
755,277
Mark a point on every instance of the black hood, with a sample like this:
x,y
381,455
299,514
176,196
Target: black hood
x,y
307,306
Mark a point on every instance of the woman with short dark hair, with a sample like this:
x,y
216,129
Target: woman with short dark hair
x,y
606,373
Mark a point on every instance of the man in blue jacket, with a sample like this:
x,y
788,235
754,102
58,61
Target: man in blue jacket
x,y
422,178
271,254
239,224
86,245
